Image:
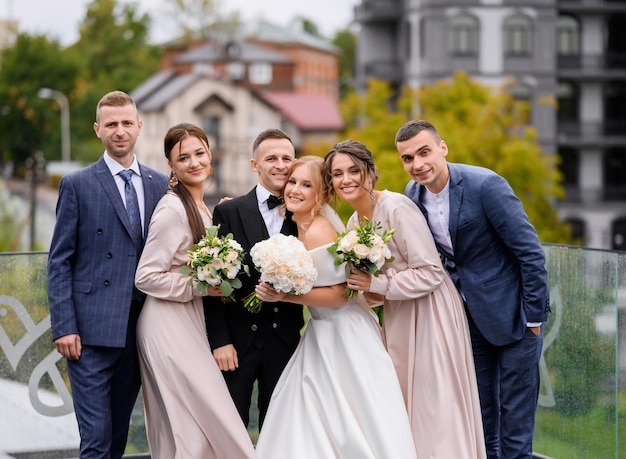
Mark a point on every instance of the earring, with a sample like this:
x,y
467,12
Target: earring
x,y
173,180
211,170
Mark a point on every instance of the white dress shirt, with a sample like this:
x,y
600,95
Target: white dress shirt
x,y
115,169
273,218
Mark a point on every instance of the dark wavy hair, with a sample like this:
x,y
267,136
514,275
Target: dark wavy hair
x,y
173,137
362,157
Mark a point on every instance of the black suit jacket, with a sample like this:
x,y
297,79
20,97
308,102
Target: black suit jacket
x,y
231,323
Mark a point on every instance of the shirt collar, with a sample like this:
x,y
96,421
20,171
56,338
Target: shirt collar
x,y
262,194
116,167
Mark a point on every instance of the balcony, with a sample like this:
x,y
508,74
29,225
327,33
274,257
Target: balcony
x,y
592,66
583,363
377,11
384,70
609,133
591,6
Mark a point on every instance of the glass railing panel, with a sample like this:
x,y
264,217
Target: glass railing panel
x,y
36,411
582,404
581,398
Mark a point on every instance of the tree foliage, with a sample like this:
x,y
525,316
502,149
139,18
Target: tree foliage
x,y
29,123
346,41
111,53
480,125
115,55
203,19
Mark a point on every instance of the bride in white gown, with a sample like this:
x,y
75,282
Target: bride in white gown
x,y
339,396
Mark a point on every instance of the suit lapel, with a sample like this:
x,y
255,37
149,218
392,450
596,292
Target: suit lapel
x,y
254,225
151,196
106,180
456,198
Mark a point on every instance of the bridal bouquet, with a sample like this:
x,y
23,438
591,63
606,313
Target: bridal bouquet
x,y
363,248
216,261
285,263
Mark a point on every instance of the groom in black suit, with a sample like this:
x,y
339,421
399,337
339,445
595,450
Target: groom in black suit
x,y
252,347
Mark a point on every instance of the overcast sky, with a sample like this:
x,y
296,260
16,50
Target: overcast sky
x,y
60,19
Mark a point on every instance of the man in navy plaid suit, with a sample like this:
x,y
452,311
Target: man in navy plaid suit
x,y
91,270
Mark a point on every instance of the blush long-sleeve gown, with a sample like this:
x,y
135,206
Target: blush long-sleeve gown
x,y
426,333
189,411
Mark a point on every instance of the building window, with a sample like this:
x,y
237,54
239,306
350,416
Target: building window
x,y
520,91
523,94
202,68
236,70
567,36
577,229
422,34
619,234
260,73
518,36
615,40
464,30
211,125
405,32
569,165
614,172
614,97
567,100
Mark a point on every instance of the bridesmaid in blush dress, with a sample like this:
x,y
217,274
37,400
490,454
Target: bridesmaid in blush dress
x,y
338,397
425,327
189,411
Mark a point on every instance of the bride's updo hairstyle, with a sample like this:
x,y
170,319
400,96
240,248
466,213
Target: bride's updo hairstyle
x,y
362,158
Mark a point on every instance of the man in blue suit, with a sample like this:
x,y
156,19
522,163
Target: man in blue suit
x,y
91,270
494,256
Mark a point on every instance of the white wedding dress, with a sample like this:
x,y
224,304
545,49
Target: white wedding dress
x,y
339,396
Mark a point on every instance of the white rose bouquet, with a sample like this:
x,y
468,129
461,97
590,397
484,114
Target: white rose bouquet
x,y
285,263
216,261
363,248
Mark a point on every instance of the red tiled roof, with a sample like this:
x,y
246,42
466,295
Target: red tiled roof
x,y
309,112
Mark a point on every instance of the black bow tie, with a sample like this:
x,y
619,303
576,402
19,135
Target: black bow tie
x,y
273,201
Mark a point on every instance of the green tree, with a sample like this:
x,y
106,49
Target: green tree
x,y
480,125
489,128
29,123
346,40
310,27
203,19
115,54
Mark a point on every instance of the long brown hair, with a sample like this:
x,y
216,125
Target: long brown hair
x,y
174,136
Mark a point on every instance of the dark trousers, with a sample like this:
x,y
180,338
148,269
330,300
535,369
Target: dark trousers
x,y
263,364
105,383
508,385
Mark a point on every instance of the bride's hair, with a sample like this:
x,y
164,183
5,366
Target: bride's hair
x,y
316,166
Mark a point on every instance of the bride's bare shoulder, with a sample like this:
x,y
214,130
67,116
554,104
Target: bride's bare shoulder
x,y
320,232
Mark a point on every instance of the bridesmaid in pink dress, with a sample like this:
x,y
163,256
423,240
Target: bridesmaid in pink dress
x,y
425,327
189,411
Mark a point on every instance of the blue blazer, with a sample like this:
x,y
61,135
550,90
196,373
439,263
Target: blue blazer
x,y
92,259
498,263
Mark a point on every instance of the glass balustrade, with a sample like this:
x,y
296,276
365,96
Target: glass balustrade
x,y
582,404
